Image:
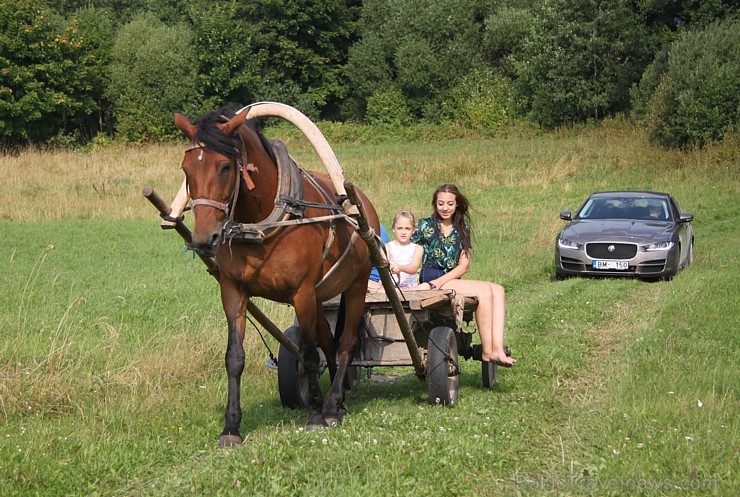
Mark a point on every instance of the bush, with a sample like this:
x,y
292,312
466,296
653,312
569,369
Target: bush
x,y
152,75
481,101
691,94
388,107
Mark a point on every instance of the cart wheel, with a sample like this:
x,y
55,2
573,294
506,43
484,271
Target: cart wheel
x,y
292,383
489,372
352,378
442,364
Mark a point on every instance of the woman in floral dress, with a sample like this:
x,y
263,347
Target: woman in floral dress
x,y
445,237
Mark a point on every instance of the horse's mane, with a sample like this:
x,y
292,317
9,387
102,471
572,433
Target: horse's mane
x,y
210,135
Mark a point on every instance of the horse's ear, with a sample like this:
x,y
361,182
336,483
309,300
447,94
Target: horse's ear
x,y
184,125
234,122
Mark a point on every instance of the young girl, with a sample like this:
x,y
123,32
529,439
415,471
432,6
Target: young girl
x,y
404,257
445,237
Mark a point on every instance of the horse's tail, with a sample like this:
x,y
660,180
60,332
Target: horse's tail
x,y
363,329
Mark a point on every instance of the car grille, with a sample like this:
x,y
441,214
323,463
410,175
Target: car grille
x,y
619,250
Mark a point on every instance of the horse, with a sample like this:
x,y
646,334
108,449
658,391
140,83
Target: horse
x,y
277,232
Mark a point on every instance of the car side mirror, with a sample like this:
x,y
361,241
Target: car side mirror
x,y
565,216
685,217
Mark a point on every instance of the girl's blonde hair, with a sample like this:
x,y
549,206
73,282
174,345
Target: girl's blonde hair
x,y
403,214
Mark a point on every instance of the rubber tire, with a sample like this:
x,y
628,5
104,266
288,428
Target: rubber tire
x,y
489,373
292,383
443,388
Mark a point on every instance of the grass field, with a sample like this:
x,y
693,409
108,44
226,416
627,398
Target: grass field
x,y
112,338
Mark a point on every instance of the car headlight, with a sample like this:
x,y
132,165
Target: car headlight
x,y
659,246
565,243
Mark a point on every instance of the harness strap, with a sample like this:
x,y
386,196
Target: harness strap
x,y
331,271
211,203
256,232
290,185
288,200
329,241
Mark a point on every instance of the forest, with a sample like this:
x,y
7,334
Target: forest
x,y
76,71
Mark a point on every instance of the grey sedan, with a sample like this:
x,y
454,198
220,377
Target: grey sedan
x,y
627,233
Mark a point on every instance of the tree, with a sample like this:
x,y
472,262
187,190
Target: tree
x,y
421,47
581,60
505,32
292,51
691,93
47,78
695,14
123,10
96,27
152,75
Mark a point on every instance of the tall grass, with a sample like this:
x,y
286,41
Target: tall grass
x,y
111,356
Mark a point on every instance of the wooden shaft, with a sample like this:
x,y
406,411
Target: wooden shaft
x,y
178,205
379,262
210,263
272,329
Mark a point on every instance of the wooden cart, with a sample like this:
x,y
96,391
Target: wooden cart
x,y
435,318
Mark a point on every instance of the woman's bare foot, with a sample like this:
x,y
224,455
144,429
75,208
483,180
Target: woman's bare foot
x,y
500,359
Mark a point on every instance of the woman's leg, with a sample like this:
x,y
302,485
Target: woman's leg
x,y
489,315
497,354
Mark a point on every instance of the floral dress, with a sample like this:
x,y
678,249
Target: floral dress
x,y
440,251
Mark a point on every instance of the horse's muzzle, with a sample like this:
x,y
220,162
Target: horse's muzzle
x,y
207,247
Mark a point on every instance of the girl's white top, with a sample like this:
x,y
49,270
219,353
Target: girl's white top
x,y
402,255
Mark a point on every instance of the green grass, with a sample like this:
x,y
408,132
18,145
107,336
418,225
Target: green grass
x,y
111,356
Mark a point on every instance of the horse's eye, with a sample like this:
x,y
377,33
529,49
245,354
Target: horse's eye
x,y
225,168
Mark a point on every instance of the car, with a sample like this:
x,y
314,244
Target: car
x,y
625,233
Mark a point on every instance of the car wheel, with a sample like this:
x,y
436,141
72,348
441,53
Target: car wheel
x,y
443,374
292,382
488,373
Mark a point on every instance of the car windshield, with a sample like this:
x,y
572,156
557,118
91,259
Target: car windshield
x,y
644,209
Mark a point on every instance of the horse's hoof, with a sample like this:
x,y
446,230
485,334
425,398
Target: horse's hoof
x,y
314,427
335,418
332,421
315,421
229,440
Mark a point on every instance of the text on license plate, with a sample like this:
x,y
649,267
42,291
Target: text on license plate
x,y
618,265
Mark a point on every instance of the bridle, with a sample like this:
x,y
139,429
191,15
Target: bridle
x,y
229,207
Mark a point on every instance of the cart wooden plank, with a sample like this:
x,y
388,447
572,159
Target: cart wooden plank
x,y
412,299
385,345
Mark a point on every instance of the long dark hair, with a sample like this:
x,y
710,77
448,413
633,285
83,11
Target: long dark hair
x,y
461,217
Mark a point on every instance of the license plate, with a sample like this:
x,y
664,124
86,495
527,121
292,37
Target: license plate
x,y
618,265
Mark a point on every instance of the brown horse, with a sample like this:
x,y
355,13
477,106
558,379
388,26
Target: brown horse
x,y
276,232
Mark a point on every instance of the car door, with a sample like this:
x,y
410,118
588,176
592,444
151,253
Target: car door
x,y
682,229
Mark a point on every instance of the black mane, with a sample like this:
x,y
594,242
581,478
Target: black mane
x,y
211,136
